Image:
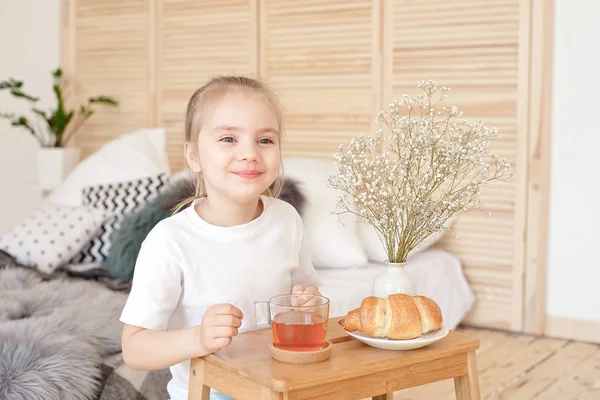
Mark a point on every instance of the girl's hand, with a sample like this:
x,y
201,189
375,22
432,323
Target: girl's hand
x,y
305,296
219,325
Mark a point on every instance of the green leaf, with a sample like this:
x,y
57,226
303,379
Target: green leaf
x,y
59,98
15,89
11,83
104,100
62,122
86,112
18,93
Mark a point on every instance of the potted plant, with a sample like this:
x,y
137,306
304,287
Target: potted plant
x,y
407,184
54,128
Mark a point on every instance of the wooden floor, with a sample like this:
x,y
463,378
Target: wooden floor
x,y
513,366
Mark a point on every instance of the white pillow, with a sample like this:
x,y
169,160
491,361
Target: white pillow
x,y
375,249
131,156
332,244
52,235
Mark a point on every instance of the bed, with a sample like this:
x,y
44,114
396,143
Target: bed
x,y
66,271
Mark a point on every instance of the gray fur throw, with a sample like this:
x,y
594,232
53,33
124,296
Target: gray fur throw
x,y
55,335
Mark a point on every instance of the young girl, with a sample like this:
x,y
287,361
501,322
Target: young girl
x,y
200,271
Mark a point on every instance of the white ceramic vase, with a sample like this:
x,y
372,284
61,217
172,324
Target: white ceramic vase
x,y
54,164
395,279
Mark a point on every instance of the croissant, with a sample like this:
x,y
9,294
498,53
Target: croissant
x,y
400,316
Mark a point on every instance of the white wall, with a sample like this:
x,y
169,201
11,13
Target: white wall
x,y
574,236
29,38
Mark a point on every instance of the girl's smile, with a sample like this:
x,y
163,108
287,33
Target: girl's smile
x,y
248,174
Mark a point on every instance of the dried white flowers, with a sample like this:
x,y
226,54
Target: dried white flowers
x,y
430,167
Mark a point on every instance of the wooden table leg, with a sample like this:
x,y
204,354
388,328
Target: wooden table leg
x,y
387,396
197,390
467,387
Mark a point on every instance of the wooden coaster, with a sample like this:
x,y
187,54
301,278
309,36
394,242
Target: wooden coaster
x,y
301,357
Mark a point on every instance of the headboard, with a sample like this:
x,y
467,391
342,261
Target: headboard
x,y
334,65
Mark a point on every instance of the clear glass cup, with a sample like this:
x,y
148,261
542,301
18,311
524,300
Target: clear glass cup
x,y
298,322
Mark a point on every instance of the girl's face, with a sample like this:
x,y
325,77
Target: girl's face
x,y
238,147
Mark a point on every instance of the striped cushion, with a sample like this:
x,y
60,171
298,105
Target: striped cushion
x,y
119,199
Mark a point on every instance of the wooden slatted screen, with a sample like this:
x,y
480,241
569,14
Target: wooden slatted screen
x,y
322,59
472,46
197,40
112,46
334,64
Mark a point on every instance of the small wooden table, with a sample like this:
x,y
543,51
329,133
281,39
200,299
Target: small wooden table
x,y
245,369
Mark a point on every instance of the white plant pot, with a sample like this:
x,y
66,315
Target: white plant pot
x,y
395,279
54,164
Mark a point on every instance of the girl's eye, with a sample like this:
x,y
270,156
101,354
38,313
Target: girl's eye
x,y
227,139
265,141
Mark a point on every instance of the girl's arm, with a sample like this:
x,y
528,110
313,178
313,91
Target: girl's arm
x,y
148,349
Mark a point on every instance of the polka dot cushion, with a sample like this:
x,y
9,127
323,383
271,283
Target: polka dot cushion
x,y
52,235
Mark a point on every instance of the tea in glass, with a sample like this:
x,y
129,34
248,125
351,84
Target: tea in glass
x,y
299,331
298,322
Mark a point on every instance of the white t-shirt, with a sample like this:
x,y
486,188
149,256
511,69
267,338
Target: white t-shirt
x,y
186,265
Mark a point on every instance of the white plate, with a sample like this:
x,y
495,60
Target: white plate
x,y
410,344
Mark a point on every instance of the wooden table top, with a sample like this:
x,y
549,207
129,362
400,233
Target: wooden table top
x,y
250,357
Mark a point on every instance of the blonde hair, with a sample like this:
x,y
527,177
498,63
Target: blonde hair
x,y
205,98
